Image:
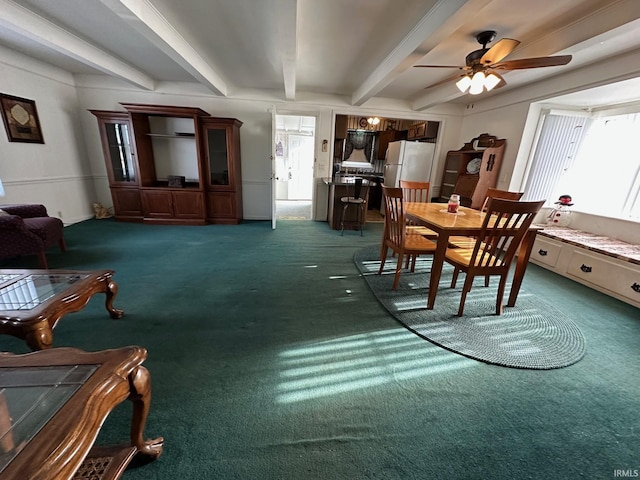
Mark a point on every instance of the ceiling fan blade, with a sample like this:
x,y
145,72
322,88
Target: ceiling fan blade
x,y
533,62
441,66
500,50
446,80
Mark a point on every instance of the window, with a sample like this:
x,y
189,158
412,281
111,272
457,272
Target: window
x,y
592,159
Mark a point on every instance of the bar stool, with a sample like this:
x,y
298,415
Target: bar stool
x,y
357,200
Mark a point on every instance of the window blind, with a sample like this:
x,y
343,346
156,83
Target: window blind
x,y
560,139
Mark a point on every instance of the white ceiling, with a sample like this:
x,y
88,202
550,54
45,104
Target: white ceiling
x,y
357,49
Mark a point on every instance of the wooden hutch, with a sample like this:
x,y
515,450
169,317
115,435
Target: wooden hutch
x,y
172,165
473,169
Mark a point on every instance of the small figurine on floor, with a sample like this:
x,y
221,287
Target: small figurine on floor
x,y
102,212
561,215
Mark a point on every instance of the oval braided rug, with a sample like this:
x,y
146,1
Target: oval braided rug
x,y
531,335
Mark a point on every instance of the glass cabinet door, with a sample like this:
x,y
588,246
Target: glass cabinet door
x,y
217,156
118,151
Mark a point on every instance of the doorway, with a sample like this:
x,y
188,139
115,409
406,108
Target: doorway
x,y
294,162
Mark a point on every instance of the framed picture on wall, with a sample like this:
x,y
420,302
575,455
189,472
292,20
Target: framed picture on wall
x,y
20,119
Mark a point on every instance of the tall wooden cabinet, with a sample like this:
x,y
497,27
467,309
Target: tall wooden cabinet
x,y
122,169
221,152
470,171
172,165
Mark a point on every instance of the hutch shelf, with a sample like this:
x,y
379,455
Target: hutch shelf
x,y
470,171
148,147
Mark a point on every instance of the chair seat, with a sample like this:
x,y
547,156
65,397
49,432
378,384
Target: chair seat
x,y
47,228
424,231
415,243
463,256
352,200
462,242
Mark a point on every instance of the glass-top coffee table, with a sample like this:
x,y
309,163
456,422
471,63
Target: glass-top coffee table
x,y
33,301
53,404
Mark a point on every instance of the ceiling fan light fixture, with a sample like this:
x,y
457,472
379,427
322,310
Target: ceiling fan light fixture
x,y
477,83
491,81
464,83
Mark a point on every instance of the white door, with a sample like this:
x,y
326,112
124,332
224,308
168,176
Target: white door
x,y
300,175
273,167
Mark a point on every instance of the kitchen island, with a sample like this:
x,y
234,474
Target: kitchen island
x,y
341,185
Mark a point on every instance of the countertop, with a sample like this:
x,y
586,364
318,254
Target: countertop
x,y
349,179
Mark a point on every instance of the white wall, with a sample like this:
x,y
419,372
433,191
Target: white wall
x,y
55,173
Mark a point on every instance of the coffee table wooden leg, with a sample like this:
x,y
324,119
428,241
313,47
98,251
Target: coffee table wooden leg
x,y
140,395
112,291
39,336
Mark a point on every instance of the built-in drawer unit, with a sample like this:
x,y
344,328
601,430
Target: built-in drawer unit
x,y
614,277
546,252
613,274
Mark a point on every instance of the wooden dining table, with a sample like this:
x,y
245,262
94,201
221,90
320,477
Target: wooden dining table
x,y
467,222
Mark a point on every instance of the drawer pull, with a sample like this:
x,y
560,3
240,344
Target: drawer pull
x,y
542,253
585,268
635,287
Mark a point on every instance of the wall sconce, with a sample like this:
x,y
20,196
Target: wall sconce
x,y
373,121
479,82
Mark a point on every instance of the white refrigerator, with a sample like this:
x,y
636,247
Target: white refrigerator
x,y
412,161
405,160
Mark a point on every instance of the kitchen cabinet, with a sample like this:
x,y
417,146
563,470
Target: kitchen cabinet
x,y
342,124
423,130
384,138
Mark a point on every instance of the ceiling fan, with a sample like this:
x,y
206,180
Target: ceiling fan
x,y
482,65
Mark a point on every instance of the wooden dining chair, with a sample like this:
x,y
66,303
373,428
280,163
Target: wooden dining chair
x,y
504,226
395,235
503,194
417,192
468,242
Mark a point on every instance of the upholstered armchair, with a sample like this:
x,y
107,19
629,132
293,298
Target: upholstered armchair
x,y
29,230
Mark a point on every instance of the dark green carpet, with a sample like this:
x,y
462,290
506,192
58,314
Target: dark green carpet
x,y
533,334
271,359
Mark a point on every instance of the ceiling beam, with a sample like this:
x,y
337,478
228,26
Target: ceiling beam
x,y
30,25
142,16
438,23
287,31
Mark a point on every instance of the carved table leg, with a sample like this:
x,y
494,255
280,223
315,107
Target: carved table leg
x,y
111,291
140,385
39,337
